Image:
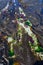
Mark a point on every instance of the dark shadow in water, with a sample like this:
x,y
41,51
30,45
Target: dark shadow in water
x,y
38,63
41,11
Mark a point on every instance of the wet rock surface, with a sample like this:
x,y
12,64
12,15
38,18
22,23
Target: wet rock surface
x,y
3,3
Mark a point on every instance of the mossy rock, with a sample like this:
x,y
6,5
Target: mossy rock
x,y
28,23
39,49
11,53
